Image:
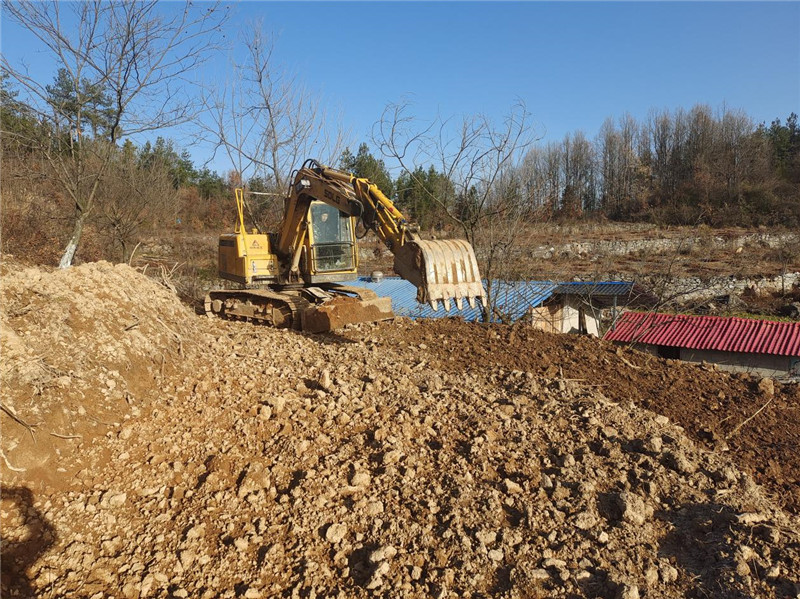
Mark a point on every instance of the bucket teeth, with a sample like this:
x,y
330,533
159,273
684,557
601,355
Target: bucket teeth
x,y
441,271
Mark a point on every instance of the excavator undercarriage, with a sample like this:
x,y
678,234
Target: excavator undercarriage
x,y
310,309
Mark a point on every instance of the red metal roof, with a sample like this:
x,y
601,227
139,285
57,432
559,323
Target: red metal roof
x,y
708,332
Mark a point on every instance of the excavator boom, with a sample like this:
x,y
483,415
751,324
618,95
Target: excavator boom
x,y
442,271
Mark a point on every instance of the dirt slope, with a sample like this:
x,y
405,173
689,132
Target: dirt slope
x,y
437,459
82,349
710,404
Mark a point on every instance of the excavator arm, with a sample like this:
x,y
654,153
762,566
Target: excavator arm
x,y
441,270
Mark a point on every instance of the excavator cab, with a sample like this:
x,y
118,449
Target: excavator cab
x,y
331,242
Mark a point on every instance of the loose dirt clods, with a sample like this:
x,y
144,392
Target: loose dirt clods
x,y
434,459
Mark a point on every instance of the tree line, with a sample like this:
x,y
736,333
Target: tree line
x,y
675,167
680,167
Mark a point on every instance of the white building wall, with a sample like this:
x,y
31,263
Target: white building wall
x,y
570,320
763,364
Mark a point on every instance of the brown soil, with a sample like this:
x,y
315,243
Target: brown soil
x,y
202,458
709,404
82,350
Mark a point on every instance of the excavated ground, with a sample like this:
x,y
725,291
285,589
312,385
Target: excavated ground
x,y
152,453
710,404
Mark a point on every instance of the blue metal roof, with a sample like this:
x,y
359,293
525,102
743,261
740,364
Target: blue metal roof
x,y
606,288
601,293
512,298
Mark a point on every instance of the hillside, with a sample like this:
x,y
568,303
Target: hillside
x,y
149,452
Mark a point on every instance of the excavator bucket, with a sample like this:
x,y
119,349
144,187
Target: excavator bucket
x,y
442,271
342,310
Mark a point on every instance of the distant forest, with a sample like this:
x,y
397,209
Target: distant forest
x,y
676,167
680,167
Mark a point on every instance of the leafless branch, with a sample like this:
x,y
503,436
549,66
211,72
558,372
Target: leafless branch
x,y
748,419
265,120
137,59
12,414
479,159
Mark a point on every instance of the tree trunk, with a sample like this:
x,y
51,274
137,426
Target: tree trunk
x,y
487,307
74,240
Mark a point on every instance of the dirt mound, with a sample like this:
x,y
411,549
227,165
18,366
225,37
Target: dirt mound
x,y
83,350
397,460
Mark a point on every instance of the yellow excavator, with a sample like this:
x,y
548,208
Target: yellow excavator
x,y
293,278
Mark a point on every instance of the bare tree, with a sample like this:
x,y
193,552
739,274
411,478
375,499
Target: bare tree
x,y
624,154
737,151
267,121
137,192
580,191
484,195
125,69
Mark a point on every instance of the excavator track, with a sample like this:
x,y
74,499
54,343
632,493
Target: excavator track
x,y
279,310
310,309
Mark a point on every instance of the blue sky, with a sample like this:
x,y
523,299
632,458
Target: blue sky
x,y
573,63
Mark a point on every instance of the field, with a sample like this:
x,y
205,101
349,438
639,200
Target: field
x,y
151,450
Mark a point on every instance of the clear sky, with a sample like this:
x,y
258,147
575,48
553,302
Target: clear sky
x,y
573,63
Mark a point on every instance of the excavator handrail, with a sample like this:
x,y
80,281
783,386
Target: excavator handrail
x,y
240,228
